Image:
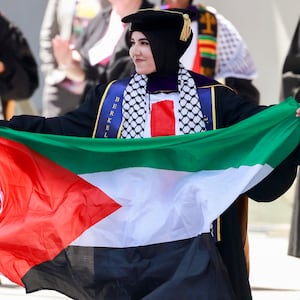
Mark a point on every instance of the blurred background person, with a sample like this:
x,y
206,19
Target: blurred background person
x,y
218,50
291,87
291,67
67,19
18,68
101,53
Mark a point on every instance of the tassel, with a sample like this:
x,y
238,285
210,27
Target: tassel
x,y
186,29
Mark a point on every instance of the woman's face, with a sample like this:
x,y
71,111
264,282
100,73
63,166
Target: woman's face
x,y
178,3
141,54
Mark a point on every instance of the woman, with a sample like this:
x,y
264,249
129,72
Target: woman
x,y
163,98
101,53
66,19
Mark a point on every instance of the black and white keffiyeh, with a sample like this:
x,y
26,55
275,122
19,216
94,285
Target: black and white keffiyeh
x,y
135,104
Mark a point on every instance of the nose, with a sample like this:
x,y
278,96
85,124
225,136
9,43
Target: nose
x,y
135,49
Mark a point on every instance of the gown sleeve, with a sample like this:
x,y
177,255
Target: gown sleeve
x,y
79,122
230,109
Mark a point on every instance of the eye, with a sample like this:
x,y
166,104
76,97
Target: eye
x,y
145,42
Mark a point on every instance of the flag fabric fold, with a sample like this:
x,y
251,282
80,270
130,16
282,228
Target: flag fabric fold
x,y
82,215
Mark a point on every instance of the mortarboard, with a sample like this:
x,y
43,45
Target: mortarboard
x,y
168,31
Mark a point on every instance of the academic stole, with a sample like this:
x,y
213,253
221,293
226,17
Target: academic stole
x,y
109,120
206,54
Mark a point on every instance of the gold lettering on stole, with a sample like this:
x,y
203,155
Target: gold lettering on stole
x,y
111,114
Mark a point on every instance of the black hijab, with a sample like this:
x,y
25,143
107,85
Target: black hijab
x,y
168,32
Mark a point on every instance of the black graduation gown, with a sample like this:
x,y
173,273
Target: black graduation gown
x,y
230,109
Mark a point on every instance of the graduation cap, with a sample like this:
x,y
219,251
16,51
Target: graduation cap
x,y
175,21
168,31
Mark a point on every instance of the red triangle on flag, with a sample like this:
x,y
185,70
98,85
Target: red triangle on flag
x,y
43,208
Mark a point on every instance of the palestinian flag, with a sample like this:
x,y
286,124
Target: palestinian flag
x,y
97,218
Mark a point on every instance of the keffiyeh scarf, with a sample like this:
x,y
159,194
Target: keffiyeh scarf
x,y
135,103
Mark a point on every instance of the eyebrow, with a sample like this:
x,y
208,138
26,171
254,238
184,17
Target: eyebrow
x,y
141,39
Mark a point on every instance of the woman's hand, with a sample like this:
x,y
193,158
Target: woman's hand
x,y
62,51
298,112
68,59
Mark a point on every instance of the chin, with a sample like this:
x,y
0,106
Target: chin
x,y
141,72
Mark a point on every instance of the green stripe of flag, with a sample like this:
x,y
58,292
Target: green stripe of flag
x,y
265,138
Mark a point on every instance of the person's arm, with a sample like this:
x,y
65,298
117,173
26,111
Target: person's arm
x,y
94,73
280,179
68,59
49,29
57,25
231,108
74,59
278,182
79,122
